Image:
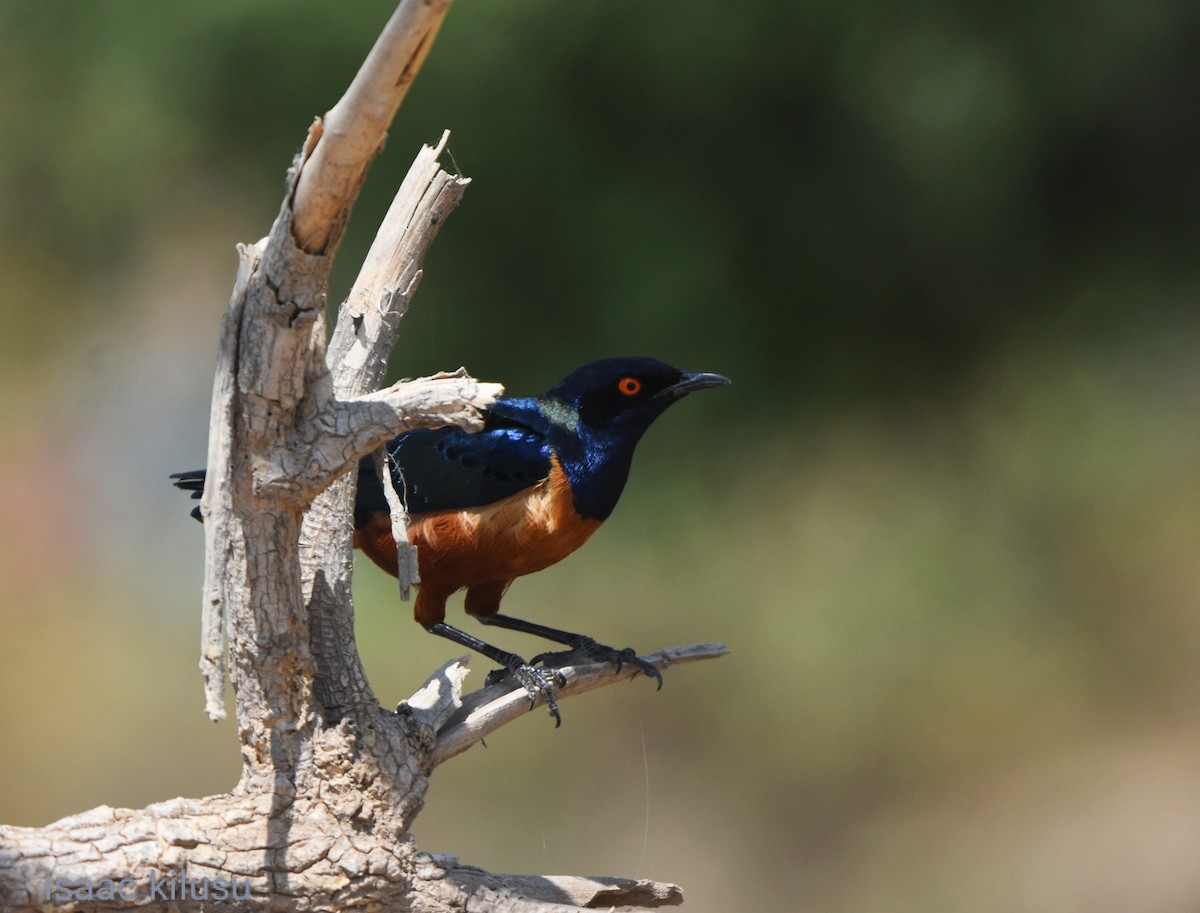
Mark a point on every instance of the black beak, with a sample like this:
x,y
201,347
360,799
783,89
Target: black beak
x,y
689,383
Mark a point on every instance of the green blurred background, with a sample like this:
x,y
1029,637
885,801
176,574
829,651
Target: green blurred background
x,y
946,518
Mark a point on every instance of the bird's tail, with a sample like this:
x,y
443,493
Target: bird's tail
x,y
193,481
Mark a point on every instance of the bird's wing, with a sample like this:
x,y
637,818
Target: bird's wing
x,y
449,469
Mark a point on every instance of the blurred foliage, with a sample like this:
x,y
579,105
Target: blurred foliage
x,y
945,517
866,197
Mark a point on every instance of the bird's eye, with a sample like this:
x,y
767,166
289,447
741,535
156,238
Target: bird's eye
x,y
630,386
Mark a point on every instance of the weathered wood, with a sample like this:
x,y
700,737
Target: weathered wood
x,y
462,722
354,129
358,353
331,781
320,846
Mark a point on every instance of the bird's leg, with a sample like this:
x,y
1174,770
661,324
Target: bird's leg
x,y
579,643
535,681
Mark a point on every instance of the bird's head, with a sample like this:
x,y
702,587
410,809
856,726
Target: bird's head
x,y
621,397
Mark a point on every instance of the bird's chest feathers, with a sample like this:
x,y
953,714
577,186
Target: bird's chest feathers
x,y
517,535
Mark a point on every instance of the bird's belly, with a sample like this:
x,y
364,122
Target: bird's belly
x,y
518,535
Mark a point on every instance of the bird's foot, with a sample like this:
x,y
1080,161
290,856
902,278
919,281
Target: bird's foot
x,y
536,682
583,647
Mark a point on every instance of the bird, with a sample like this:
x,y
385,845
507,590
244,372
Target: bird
x,y
513,498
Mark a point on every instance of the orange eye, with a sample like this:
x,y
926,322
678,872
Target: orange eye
x,y
630,386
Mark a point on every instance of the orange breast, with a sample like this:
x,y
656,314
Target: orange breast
x,y
495,543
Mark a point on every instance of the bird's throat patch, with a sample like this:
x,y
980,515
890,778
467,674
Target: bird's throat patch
x,y
559,413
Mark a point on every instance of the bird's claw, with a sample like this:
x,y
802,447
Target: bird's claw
x,y
536,683
586,648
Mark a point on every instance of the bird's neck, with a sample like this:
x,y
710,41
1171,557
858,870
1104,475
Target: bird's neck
x,y
596,461
597,466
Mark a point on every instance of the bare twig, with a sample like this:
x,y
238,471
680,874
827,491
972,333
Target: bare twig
x,y
441,696
368,319
546,893
355,127
408,567
486,710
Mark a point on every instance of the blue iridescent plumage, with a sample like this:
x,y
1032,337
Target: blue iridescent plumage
x,y
449,469
585,421
515,497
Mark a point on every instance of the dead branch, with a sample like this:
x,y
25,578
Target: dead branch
x,y
462,722
354,128
331,781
